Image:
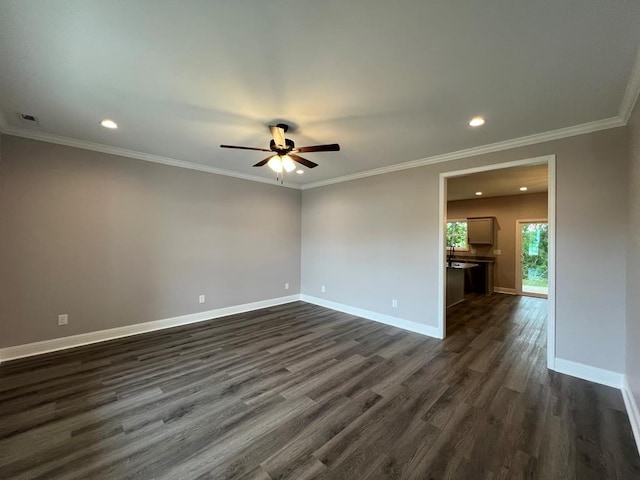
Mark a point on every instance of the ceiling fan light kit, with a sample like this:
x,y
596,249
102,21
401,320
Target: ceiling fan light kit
x,y
285,152
287,164
275,164
278,163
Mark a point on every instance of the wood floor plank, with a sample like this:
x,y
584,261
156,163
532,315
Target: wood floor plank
x,y
298,391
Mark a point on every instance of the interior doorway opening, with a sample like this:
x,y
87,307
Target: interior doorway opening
x,y
482,246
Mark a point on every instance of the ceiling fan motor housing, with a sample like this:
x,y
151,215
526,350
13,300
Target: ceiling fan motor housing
x,y
282,151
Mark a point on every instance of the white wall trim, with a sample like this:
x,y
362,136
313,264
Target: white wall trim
x,y
628,102
506,291
63,343
550,160
629,99
587,372
551,260
442,258
584,128
123,152
633,411
472,152
375,316
631,93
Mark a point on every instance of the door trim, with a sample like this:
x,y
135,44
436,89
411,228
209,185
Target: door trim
x,y
550,160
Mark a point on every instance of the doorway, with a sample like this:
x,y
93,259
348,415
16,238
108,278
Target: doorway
x,y
550,161
532,265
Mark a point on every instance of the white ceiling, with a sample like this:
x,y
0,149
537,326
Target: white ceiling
x,y
391,82
498,183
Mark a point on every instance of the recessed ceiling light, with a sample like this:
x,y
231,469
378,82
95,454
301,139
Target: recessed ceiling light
x,y
478,193
523,189
477,121
106,123
299,172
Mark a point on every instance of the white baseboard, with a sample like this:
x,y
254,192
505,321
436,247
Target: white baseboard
x,y
513,291
455,303
587,372
633,411
38,348
507,291
63,343
375,316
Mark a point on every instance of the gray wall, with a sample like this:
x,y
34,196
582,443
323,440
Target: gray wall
x,y
376,238
507,210
114,241
633,259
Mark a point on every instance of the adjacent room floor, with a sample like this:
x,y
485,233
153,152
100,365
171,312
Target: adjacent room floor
x,y
299,391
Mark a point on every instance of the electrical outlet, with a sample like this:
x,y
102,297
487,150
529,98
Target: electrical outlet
x,y
63,319
323,288
497,252
201,299
394,303
286,286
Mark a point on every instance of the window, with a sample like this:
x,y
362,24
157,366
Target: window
x,y
457,234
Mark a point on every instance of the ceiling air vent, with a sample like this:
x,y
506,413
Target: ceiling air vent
x,y
28,119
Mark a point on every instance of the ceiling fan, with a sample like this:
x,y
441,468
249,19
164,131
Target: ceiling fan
x,y
284,151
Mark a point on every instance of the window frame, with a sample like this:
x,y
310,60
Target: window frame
x,y
447,237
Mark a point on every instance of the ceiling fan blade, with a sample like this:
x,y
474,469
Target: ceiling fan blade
x,y
303,161
278,135
263,162
245,148
333,147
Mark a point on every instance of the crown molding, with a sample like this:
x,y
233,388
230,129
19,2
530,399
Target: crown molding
x,y
123,152
446,157
631,93
472,152
629,99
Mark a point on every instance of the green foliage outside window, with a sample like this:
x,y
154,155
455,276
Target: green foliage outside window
x,y
535,254
457,234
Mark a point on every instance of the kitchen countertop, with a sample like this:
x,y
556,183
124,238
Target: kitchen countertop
x,y
461,265
474,259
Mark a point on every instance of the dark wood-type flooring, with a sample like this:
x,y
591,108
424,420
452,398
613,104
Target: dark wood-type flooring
x,y
298,391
